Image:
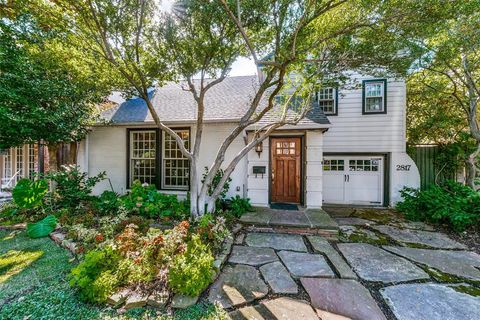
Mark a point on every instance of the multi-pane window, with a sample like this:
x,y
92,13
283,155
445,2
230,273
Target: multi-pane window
x,y
374,96
363,165
176,167
143,148
285,148
333,165
327,100
31,160
19,162
8,163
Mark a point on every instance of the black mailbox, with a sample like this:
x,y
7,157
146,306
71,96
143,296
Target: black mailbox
x,y
259,170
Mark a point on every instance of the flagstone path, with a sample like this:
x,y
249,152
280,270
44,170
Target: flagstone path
x,y
287,276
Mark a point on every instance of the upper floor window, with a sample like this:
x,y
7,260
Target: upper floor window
x,y
374,96
327,100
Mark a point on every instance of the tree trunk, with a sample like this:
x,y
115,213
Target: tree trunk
x,y
72,156
52,157
52,163
471,168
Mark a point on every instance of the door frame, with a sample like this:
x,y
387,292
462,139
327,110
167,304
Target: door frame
x,y
386,169
302,164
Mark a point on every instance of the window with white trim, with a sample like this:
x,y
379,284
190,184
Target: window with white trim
x,y
175,166
31,160
374,100
327,100
143,156
333,165
19,162
7,164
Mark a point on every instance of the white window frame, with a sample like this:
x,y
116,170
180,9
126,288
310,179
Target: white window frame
x,y
132,158
164,185
334,100
383,95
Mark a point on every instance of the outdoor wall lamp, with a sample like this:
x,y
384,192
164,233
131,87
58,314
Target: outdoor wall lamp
x,y
259,146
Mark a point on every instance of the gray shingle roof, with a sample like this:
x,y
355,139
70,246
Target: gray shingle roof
x,y
226,101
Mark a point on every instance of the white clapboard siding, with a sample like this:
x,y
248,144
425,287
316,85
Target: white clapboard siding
x,y
351,131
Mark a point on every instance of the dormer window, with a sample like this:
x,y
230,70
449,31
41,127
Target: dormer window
x,y
374,96
328,100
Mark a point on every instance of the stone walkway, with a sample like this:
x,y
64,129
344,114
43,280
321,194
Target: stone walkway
x,y
412,273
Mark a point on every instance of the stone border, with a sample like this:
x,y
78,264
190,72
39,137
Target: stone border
x,y
59,238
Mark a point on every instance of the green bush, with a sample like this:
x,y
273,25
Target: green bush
x,y
148,202
29,194
73,186
107,203
239,206
94,276
220,203
192,271
451,203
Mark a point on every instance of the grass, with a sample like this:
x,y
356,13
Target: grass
x,y
33,285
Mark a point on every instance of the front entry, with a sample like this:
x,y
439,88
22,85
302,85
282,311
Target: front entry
x,y
285,163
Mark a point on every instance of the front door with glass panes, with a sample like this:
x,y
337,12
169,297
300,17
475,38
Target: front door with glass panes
x,y
285,175
353,180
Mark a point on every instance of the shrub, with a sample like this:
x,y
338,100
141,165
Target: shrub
x,y
73,186
216,180
148,202
94,276
213,230
239,206
29,194
191,272
452,203
107,203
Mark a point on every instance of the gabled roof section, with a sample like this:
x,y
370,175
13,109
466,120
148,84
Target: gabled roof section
x,y
225,102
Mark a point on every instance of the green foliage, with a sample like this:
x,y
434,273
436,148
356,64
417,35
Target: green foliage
x,y
48,87
452,203
29,194
107,203
74,186
216,180
94,276
42,228
212,230
240,205
148,202
191,272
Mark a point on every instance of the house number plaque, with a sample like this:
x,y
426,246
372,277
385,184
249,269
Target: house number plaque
x,y
403,167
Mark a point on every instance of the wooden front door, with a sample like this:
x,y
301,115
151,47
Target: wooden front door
x,y
285,153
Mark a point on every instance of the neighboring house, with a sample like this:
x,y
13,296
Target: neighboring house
x,y
17,163
349,149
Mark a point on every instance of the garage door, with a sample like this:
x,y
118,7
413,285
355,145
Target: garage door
x,y
353,180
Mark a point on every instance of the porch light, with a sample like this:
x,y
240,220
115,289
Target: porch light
x,y
259,148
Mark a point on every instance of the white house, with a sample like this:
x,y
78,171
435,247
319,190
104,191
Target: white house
x,y
349,149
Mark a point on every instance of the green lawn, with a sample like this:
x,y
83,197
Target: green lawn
x,y
33,285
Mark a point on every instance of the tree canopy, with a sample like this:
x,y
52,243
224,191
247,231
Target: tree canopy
x,y
48,89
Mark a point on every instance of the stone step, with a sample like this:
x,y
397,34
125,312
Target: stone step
x,y
305,222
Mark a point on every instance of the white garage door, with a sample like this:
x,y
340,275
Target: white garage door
x,y
353,180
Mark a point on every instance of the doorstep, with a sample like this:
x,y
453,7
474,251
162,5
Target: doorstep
x,y
303,221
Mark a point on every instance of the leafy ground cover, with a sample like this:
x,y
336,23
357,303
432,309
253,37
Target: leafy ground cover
x,y
33,284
